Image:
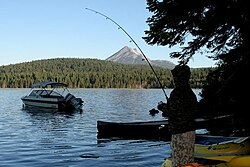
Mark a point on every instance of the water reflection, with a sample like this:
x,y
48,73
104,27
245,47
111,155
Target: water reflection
x,y
52,111
34,137
51,125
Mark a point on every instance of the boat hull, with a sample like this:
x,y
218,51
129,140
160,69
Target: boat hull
x,y
232,151
48,103
158,130
134,130
45,95
225,150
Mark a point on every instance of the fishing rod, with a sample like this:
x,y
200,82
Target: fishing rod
x,y
132,40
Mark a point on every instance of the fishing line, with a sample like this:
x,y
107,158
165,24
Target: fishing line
x,y
132,40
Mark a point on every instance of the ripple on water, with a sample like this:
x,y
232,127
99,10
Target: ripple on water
x,y
40,138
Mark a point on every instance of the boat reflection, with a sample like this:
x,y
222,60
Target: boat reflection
x,y
39,111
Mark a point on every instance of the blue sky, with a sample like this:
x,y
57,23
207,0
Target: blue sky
x,y
44,29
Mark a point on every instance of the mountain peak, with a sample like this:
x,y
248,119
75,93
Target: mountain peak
x,y
128,55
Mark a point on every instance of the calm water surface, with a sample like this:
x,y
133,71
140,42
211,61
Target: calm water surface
x,y
43,138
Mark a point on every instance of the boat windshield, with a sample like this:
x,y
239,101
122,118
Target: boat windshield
x,y
45,92
48,89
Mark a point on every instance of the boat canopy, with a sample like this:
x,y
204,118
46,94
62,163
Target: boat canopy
x,y
49,83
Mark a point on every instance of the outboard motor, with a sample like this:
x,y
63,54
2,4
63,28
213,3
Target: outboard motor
x,y
77,102
68,97
72,101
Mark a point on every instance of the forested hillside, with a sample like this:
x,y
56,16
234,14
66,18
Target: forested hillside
x,y
90,73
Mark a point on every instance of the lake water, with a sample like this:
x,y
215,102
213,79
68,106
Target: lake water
x,y
36,138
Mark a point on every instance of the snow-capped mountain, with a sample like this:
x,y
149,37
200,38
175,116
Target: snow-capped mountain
x,y
129,55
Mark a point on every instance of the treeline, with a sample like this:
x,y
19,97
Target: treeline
x,y
91,73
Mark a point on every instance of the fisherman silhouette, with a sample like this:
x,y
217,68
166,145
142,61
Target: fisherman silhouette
x,y
181,109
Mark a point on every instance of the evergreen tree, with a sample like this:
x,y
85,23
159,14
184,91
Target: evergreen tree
x,y
86,73
221,29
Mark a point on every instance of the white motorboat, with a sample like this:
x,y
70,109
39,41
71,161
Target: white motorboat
x,y
49,95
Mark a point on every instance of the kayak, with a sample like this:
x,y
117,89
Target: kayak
x,y
134,130
156,130
224,150
238,161
220,151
